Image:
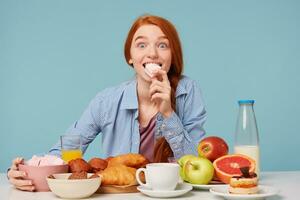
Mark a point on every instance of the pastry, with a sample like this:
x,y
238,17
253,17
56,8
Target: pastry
x,y
79,165
244,184
118,175
97,164
78,175
130,160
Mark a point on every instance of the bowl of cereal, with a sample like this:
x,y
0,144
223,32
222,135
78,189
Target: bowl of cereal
x,y
74,185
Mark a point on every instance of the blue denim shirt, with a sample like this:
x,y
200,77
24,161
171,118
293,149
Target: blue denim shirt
x,y
114,113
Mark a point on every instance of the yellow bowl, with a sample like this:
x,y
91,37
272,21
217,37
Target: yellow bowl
x,y
74,188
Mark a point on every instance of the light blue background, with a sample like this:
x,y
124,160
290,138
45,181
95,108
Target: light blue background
x,y
56,55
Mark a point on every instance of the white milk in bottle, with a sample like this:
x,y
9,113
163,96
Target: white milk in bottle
x,y
246,139
251,151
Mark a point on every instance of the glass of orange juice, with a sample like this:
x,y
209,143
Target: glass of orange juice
x,y
70,147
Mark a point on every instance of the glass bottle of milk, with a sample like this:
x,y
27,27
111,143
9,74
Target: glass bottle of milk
x,y
246,135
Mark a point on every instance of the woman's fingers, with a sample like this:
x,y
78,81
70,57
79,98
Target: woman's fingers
x,y
159,96
26,188
155,88
16,174
161,84
163,87
161,75
14,171
156,82
160,92
15,163
16,177
20,182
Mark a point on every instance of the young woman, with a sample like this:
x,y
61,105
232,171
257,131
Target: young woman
x,y
159,114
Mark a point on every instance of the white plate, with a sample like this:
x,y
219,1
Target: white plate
x,y
181,189
263,191
205,187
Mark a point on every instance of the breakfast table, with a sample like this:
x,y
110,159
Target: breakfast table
x,y
286,182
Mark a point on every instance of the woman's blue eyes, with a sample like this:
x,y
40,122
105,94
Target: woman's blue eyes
x,y
141,45
160,45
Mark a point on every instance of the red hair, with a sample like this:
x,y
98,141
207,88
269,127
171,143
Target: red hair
x,y
169,30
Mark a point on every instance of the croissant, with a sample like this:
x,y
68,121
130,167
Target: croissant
x,y
130,160
118,175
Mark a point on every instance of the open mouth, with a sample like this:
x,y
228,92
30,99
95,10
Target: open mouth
x,y
152,63
151,68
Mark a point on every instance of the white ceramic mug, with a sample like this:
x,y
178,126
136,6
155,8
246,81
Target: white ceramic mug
x,y
159,176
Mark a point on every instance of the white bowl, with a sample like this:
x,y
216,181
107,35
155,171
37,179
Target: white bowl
x,y
74,188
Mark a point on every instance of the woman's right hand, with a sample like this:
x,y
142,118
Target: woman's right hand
x,y
16,177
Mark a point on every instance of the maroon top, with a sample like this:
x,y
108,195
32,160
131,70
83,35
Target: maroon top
x,y
147,139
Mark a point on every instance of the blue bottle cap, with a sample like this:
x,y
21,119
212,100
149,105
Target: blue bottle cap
x,y
246,101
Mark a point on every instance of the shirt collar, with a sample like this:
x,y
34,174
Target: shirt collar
x,y
130,100
180,90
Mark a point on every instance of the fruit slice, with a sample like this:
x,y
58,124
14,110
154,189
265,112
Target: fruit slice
x,y
229,166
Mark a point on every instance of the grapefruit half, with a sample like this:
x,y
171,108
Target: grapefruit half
x,y
229,165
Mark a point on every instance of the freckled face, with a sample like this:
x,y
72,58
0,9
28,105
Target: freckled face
x,y
150,45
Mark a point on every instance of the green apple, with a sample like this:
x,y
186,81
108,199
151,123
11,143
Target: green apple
x,y
198,170
182,161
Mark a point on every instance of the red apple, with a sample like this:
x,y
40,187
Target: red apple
x,y
212,148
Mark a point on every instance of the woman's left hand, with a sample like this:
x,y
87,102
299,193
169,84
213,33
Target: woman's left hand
x,y
160,92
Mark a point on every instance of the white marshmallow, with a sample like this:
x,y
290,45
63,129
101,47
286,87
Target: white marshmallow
x,y
150,68
44,160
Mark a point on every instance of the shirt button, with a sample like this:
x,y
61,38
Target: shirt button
x,y
159,118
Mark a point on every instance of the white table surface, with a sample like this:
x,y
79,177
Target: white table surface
x,y
287,182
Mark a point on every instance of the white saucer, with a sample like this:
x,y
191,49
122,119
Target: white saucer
x,y
181,189
263,192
